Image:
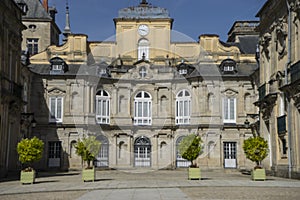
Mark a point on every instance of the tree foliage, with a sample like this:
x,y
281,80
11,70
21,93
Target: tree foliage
x,y
190,147
30,150
256,149
88,148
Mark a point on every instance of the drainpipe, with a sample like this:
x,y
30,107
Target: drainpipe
x,y
289,117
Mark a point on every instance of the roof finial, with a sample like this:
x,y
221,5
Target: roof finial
x,y
144,2
67,29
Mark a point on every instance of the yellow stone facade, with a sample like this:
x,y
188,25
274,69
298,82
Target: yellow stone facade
x,y
183,87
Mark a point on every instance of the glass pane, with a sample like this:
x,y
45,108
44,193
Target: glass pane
x,y
225,104
140,109
232,109
59,108
52,107
185,108
146,95
145,110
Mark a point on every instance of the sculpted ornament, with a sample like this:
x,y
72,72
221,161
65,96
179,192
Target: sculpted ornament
x,y
265,42
281,35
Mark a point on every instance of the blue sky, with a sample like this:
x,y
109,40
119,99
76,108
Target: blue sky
x,y
191,17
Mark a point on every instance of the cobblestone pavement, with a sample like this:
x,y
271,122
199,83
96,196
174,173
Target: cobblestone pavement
x,y
151,184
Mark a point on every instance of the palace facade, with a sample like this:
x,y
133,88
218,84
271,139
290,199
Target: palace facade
x,y
279,88
142,91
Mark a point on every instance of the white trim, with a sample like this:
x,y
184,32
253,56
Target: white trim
x,y
183,108
103,111
227,117
55,117
146,105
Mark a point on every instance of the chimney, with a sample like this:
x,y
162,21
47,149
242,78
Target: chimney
x,y
45,5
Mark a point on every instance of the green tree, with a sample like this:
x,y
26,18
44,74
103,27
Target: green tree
x,y
88,148
256,149
30,150
190,147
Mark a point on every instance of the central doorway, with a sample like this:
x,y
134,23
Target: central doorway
x,y
142,152
230,155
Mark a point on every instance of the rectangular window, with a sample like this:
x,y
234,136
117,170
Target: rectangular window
x,y
183,111
229,110
56,109
102,110
33,46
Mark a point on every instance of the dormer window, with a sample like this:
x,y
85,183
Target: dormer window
x,y
228,66
183,71
58,66
102,72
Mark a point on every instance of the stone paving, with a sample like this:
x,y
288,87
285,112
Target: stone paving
x,y
149,184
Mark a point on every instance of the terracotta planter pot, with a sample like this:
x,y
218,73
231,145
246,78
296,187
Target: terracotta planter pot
x,y
88,174
27,177
258,174
194,173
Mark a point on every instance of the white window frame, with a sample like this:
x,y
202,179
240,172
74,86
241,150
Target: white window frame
x,y
183,107
140,116
33,45
143,49
56,118
57,67
228,68
230,116
102,107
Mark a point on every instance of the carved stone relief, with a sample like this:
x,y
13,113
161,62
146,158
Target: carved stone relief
x,y
265,43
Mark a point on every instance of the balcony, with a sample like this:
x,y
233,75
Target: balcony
x,y
295,72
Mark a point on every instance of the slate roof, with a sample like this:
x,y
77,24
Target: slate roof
x,y
203,70
248,44
36,10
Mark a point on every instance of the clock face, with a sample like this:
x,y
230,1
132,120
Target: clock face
x,y
143,30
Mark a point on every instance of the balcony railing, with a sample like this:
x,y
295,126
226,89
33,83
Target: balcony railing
x,y
295,72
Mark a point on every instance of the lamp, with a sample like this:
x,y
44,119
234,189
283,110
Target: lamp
x,y
26,116
247,124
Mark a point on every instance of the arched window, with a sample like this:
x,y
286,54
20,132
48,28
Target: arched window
x,y
143,49
102,107
142,109
183,107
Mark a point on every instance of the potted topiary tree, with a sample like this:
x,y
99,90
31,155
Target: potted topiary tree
x,y
256,149
88,148
189,148
30,151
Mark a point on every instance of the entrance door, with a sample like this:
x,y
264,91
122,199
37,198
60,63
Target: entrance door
x,y
180,162
54,154
230,154
102,157
142,152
